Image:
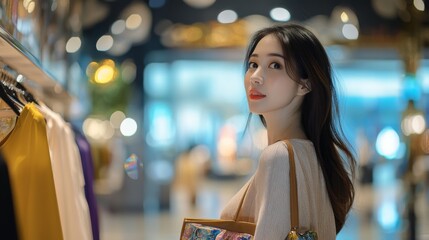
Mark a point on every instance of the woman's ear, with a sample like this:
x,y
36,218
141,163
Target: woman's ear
x,y
304,87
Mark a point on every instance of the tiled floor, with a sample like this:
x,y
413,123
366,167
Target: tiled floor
x,y
363,223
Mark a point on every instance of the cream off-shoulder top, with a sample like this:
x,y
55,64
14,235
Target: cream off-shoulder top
x,y
267,201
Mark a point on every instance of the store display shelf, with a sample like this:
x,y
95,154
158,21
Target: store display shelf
x,y
13,54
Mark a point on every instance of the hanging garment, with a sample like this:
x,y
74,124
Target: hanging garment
x,y
26,153
7,216
68,176
88,173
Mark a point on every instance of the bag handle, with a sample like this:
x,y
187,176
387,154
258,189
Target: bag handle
x,y
294,214
241,203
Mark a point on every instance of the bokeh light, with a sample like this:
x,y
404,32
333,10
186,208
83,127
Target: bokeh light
x,y
73,44
344,17
133,21
104,43
128,127
350,31
97,129
104,74
118,27
413,124
388,143
280,14
227,16
116,119
419,5
388,215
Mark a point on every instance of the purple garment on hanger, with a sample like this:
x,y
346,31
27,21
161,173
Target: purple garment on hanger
x,y
88,173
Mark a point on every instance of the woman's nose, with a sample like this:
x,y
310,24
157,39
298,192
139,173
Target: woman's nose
x,y
257,78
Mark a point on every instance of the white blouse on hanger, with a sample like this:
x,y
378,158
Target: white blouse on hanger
x,y
68,177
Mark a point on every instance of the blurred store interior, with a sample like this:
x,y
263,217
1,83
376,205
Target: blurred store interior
x,y
156,87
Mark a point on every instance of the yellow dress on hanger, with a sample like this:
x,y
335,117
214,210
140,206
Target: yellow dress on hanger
x,y
26,153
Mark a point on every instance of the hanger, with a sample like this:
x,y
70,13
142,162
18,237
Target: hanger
x,y
27,95
17,89
10,86
12,103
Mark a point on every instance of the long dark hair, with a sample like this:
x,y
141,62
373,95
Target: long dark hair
x,y
305,58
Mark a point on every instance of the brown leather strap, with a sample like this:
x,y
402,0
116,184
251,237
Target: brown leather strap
x,y
294,213
241,203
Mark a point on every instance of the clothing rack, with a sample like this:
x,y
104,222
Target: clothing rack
x,y
21,61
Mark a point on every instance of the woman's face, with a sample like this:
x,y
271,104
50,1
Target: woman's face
x,y
268,87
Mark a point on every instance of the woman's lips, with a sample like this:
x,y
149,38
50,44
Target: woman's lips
x,y
255,95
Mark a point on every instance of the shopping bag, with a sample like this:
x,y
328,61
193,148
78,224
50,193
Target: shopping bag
x,y
218,229
214,229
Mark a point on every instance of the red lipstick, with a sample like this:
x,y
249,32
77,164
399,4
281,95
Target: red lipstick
x,y
255,95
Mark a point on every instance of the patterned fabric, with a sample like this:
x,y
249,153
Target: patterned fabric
x,y
226,235
195,231
308,235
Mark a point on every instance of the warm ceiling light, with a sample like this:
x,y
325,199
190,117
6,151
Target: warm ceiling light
x,y
341,15
104,74
344,17
133,21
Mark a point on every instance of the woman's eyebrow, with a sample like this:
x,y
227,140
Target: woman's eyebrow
x,y
269,54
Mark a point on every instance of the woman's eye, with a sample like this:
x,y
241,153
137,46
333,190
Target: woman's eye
x,y
275,65
252,65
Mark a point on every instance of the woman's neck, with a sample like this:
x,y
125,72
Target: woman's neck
x,y
280,128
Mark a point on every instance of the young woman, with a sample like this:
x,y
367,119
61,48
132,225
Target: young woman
x,y
289,84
